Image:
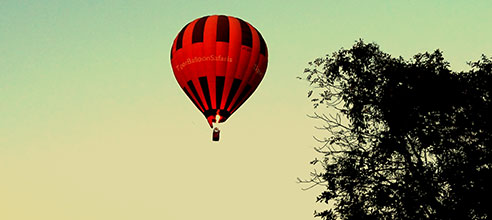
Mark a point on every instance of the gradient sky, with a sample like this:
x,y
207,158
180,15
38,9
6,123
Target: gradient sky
x,y
94,126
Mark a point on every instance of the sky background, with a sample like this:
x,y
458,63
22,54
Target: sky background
x,y
94,126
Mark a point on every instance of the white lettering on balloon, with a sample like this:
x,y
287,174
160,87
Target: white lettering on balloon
x,y
211,58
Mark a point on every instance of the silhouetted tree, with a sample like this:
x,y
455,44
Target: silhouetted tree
x,y
408,139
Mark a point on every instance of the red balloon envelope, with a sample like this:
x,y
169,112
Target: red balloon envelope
x,y
219,61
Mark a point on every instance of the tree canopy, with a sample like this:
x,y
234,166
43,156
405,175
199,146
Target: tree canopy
x,y
407,139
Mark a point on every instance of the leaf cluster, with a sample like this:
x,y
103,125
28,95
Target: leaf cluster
x,y
408,139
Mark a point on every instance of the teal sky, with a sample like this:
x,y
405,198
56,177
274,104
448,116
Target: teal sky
x,y
93,124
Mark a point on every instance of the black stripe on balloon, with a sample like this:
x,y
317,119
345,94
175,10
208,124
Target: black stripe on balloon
x,y
172,51
223,28
191,98
262,44
205,90
219,89
193,90
246,35
179,41
241,96
198,30
232,92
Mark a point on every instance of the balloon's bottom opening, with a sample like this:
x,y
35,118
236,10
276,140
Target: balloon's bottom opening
x,y
216,116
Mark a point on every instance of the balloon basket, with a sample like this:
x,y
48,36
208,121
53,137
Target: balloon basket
x,y
216,134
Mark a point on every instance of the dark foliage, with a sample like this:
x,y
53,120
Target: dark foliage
x,y
408,139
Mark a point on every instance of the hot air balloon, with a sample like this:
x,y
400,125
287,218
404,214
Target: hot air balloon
x,y
219,61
